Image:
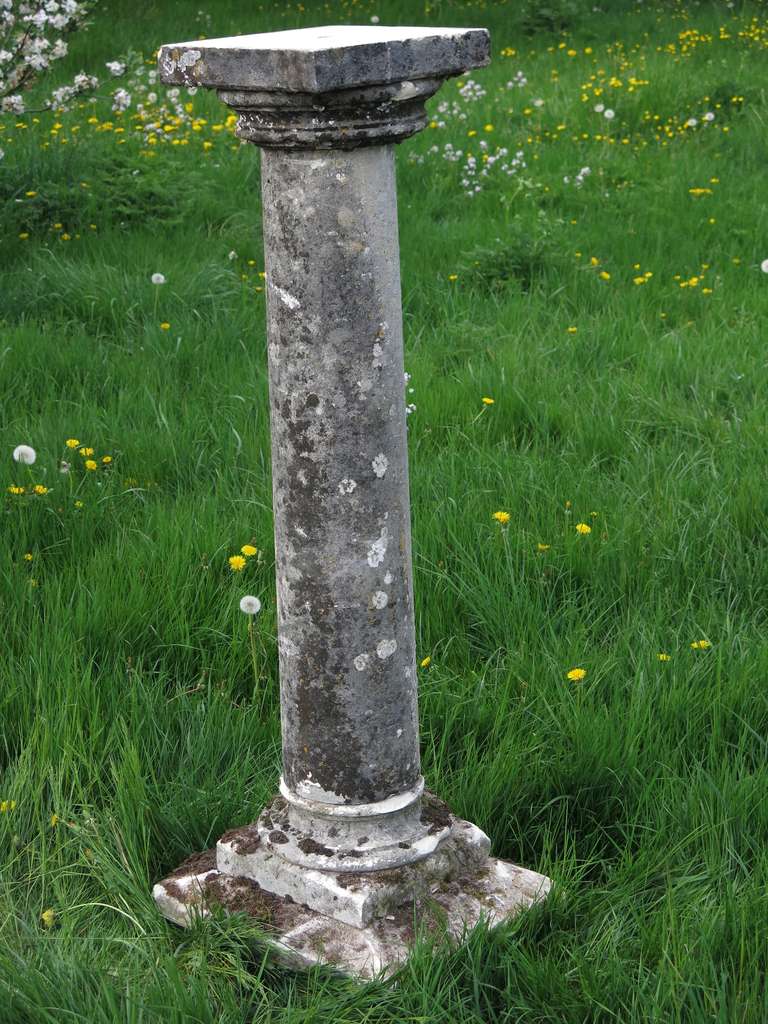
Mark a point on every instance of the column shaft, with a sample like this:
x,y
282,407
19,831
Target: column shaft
x,y
340,475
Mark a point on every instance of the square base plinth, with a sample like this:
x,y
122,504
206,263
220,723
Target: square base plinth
x,y
481,889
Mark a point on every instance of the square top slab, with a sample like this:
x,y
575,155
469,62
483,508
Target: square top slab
x,y
317,60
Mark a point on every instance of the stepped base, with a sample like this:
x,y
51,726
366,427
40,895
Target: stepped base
x,y
360,923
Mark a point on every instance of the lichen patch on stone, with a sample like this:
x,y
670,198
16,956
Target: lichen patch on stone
x,y
289,300
378,549
386,648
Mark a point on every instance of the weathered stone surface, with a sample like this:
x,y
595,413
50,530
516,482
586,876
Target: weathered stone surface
x,y
337,87
355,897
319,60
353,837
337,865
340,476
390,912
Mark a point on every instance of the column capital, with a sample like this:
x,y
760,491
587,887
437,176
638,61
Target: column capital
x,y
333,87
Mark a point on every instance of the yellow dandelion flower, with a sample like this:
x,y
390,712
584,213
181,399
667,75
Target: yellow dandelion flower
x,y
543,547
24,235
453,277
41,489
72,442
583,528
236,563
249,550
426,662
604,275
165,326
48,917
700,645
501,517
54,820
576,674
6,806
663,656
488,401
106,459
13,489
78,504
91,465
28,557
86,452
572,329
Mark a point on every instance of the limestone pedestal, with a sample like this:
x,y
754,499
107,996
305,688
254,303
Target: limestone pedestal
x,y
360,923
351,846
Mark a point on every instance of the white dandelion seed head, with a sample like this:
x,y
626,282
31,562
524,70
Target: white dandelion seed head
x,y
158,279
24,454
691,122
609,114
250,605
232,255
374,19
599,108
764,266
64,467
709,116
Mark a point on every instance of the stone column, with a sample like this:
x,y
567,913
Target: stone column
x,y
326,106
342,525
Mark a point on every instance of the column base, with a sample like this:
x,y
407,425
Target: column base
x,y
360,923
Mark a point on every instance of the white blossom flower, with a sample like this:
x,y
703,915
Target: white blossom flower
x,y
83,81
158,279
23,453
121,100
12,105
250,605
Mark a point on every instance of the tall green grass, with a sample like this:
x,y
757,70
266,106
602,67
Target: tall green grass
x,y
128,706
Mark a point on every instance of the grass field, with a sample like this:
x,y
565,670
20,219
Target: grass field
x,y
616,319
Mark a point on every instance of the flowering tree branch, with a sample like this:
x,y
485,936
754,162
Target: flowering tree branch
x,y
33,36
